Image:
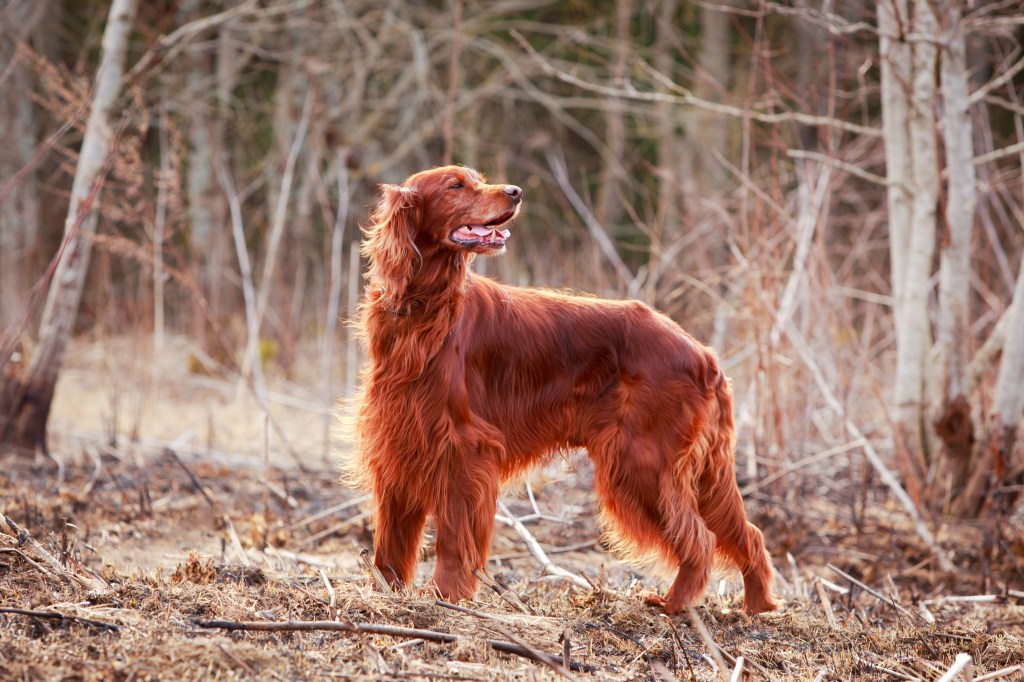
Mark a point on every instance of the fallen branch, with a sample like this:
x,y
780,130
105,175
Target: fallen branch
x,y
961,666
877,595
713,648
375,629
555,663
62,617
23,537
545,563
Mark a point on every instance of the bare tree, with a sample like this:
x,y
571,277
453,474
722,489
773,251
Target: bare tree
x,y
25,401
19,210
951,415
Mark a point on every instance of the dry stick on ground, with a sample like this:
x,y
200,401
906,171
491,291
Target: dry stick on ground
x,y
961,666
713,648
528,618
878,595
508,595
378,578
546,565
375,629
996,674
826,604
537,655
328,512
23,537
236,543
737,672
63,618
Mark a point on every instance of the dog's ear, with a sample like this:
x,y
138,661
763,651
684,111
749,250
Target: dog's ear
x,y
389,242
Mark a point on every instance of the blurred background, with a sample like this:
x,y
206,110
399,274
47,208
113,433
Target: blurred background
x,y
829,193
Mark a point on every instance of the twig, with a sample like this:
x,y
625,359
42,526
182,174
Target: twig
x,y
90,582
999,673
826,604
546,565
235,542
192,477
508,595
881,597
332,605
373,629
962,665
54,615
333,529
28,559
872,455
490,616
737,672
597,231
536,654
712,647
327,512
889,671
378,578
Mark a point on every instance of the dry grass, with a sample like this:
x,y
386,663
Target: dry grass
x,y
155,557
137,544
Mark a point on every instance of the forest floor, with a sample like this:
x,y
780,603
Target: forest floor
x,y
117,556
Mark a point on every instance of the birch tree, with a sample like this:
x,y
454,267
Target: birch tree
x,y
952,415
25,401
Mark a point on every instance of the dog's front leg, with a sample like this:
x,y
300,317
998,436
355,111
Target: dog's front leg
x,y
396,544
464,516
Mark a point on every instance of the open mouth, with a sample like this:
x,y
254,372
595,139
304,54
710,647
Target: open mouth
x,y
486,235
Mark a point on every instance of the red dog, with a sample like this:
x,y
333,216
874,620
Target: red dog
x,y
470,382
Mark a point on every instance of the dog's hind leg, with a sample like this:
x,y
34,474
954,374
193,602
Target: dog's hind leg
x,y
740,542
650,512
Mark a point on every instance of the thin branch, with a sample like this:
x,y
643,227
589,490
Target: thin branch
x,y
850,168
62,617
546,564
874,593
375,629
686,98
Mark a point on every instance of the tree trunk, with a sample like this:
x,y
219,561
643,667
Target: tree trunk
x,y
19,212
25,403
608,200
671,167
908,93
952,415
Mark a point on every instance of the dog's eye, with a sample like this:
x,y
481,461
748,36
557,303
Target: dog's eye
x,y
457,185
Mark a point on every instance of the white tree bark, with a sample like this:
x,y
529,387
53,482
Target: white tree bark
x,y
912,322
896,70
65,290
951,412
1008,401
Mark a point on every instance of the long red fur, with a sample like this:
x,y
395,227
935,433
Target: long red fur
x,y
470,382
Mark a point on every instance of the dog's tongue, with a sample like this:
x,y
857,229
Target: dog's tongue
x,y
488,234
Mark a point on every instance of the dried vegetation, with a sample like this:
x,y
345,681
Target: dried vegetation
x,y
112,566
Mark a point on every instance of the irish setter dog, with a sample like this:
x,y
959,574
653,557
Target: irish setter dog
x,y
470,382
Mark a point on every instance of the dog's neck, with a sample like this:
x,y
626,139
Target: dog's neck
x,y
437,283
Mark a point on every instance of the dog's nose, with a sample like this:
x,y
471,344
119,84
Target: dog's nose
x,y
515,192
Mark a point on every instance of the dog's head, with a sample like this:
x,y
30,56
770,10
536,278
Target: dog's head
x,y
459,210
445,210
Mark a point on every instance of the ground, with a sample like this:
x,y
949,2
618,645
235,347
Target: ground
x,y
118,551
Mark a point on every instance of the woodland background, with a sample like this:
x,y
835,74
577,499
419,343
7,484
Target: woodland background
x,y
828,193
